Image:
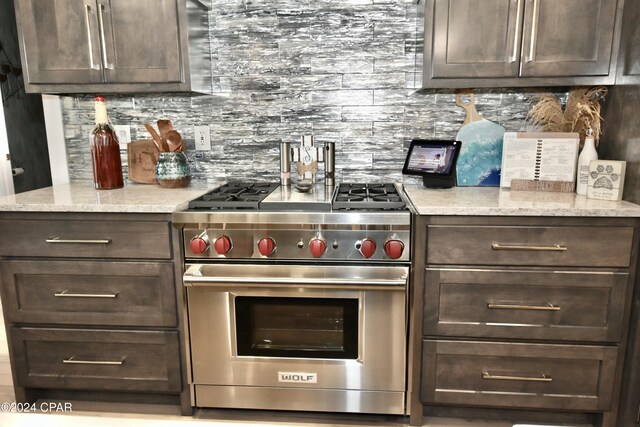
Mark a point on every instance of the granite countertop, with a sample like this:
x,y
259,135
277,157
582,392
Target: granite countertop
x,y
475,201
493,201
82,197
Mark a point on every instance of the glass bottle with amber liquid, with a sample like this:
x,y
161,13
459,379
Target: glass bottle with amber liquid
x,y
105,151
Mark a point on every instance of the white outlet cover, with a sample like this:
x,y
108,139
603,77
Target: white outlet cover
x,y
123,132
202,138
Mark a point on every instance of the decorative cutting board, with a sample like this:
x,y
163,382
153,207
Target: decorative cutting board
x,y
481,151
142,156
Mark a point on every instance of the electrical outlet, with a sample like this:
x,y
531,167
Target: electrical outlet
x,y
203,138
123,132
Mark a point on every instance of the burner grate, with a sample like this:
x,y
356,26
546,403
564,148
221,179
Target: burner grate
x,y
234,195
355,196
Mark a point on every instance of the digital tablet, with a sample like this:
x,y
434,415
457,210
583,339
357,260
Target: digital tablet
x,y
431,157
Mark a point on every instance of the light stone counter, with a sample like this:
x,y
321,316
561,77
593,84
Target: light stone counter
x,y
82,197
492,201
477,201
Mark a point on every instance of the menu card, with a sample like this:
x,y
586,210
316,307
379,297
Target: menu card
x,y
539,156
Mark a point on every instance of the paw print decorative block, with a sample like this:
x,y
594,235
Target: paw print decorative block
x,y
606,179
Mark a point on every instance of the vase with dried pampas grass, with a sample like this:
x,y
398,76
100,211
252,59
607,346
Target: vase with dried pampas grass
x,y
581,113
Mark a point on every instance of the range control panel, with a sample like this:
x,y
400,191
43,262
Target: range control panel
x,y
386,245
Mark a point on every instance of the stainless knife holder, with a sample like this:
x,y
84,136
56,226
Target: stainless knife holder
x,y
307,156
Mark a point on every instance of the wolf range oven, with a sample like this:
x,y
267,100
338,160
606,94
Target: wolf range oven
x,y
296,310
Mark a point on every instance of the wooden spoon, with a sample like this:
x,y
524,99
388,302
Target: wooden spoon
x,y
157,139
174,140
164,126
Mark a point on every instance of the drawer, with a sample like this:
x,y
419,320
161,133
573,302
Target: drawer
x,y
85,239
527,304
88,359
89,292
541,376
594,246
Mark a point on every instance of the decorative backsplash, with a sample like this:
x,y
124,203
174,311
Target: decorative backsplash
x,y
343,71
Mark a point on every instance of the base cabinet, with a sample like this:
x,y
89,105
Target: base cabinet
x,y
518,375
91,304
86,359
521,316
89,292
520,303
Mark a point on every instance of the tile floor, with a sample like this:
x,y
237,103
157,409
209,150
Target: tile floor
x,y
83,418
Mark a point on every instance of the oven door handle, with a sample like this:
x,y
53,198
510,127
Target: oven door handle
x,y
194,277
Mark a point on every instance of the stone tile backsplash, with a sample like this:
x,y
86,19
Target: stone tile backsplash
x,y
341,70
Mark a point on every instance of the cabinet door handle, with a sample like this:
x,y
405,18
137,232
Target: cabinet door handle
x,y
72,360
65,294
105,57
534,32
79,241
516,33
501,247
498,306
87,11
542,378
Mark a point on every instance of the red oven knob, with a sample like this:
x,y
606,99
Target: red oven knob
x,y
367,248
317,247
222,245
199,244
266,246
394,248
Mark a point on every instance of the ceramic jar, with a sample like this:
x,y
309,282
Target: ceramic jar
x,y
172,170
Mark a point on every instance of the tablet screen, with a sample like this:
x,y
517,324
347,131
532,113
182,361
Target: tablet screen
x,y
431,157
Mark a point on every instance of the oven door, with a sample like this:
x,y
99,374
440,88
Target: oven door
x,y
321,327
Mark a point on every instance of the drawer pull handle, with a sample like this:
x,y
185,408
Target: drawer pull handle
x,y
500,247
542,378
548,307
65,294
81,241
72,360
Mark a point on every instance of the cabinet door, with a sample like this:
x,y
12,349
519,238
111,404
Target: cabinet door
x,y
89,292
140,41
525,304
471,39
60,40
85,238
96,359
629,59
518,375
567,38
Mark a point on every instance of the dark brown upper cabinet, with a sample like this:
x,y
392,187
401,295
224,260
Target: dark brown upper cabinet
x,y
514,43
629,59
76,46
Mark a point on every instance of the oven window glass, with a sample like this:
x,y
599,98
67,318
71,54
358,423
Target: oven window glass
x,y
319,328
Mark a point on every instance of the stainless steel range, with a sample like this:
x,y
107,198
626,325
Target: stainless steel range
x,y
298,301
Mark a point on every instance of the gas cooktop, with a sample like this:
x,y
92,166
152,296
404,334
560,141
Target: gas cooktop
x,y
269,196
267,222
